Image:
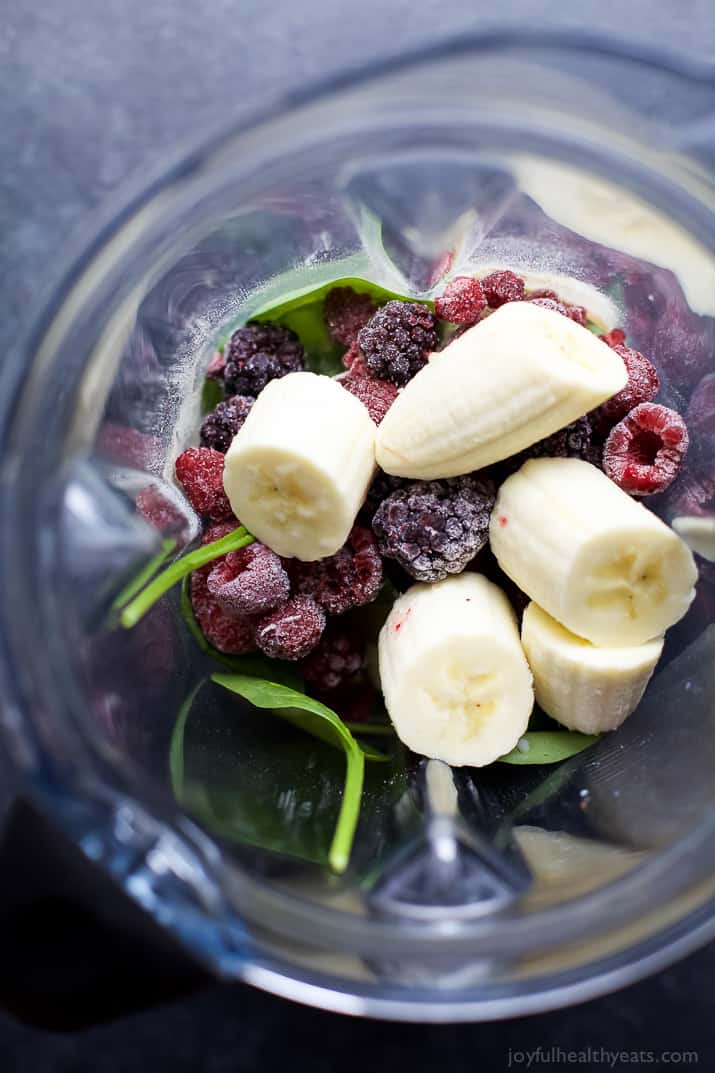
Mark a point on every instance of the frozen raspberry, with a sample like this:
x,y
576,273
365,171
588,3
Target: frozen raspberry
x,y
575,313
434,528
199,470
159,511
502,287
249,581
552,296
350,578
616,337
376,395
220,426
345,313
258,353
397,340
217,366
644,452
700,415
220,529
462,301
230,633
336,659
354,361
643,384
292,630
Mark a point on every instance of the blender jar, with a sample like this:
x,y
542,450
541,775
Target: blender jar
x,y
556,157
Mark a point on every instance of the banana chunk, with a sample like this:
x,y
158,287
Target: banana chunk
x,y
298,470
509,381
583,687
598,562
455,680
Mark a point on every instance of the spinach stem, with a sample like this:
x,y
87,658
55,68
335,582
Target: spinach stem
x,y
342,842
138,607
145,574
383,729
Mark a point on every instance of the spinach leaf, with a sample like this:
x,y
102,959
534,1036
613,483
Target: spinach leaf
x,y
549,747
211,395
322,723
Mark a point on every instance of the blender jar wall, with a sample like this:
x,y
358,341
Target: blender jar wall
x,y
383,180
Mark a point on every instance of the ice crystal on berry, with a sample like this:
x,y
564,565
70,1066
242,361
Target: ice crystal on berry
x,y
645,451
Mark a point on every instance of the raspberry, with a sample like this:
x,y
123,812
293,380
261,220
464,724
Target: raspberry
x,y
200,472
350,578
502,287
462,301
644,452
397,340
354,360
220,426
643,385
217,366
215,532
230,633
575,313
544,293
434,528
258,353
616,337
292,630
160,512
345,312
336,659
376,395
700,414
383,485
250,581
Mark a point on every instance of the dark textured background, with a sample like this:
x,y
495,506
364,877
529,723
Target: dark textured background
x,y
94,94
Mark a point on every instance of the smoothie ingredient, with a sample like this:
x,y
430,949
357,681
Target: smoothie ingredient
x,y
221,425
250,581
292,630
643,386
397,340
199,470
645,451
501,287
461,301
377,396
346,312
350,578
258,353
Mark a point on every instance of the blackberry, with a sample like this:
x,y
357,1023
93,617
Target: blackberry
x,y
434,528
383,485
397,340
221,425
350,578
258,353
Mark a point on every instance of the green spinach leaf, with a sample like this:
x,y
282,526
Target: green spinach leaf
x,y
549,747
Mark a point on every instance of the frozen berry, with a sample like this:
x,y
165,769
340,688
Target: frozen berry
x,y
616,337
644,452
160,511
397,340
350,578
219,530
345,313
258,353
502,287
383,485
354,361
433,528
217,366
462,301
544,293
337,658
643,384
575,313
701,415
694,493
228,632
199,470
376,395
220,426
249,581
292,630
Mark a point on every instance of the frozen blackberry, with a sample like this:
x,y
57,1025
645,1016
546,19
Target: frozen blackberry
x,y
434,528
383,485
345,312
462,301
397,340
350,578
221,425
292,630
249,581
377,396
258,353
336,659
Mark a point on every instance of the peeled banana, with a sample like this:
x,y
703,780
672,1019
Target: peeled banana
x,y
455,680
298,470
581,686
601,564
509,381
